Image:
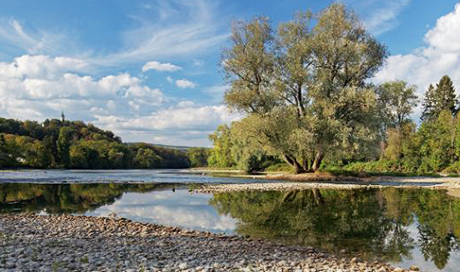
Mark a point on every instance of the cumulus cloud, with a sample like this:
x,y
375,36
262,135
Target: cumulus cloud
x,y
36,86
184,84
184,117
161,67
41,66
426,65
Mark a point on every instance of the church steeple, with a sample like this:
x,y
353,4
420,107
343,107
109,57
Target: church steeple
x,y
62,116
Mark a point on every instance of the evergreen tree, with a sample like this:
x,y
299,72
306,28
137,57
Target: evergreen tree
x,y
440,98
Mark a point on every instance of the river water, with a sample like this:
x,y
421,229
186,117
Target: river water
x,y
400,226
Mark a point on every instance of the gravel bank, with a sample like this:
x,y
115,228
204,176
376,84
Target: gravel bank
x,y
286,186
78,243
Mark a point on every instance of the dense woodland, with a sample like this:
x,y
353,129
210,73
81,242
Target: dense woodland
x,y
74,144
307,98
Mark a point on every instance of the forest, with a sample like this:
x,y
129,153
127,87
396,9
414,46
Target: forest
x,y
76,145
309,103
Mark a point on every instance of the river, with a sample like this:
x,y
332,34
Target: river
x,y
400,226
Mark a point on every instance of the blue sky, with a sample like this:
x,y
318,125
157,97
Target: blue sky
x,y
148,70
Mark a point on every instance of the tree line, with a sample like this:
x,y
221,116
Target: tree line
x,y
73,144
305,93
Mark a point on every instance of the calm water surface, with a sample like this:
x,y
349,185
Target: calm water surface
x,y
401,226
115,176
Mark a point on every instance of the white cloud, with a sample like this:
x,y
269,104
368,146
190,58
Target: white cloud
x,y
185,104
198,62
217,92
379,16
40,87
162,67
440,56
41,66
198,30
33,87
36,41
184,83
169,79
184,117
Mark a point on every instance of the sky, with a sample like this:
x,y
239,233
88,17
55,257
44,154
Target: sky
x,y
148,70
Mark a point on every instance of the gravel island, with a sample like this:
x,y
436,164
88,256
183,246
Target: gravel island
x,y
30,242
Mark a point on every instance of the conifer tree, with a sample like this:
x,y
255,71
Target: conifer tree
x,y
440,98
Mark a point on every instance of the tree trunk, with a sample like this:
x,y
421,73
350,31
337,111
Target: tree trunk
x,y
294,163
318,197
317,162
306,165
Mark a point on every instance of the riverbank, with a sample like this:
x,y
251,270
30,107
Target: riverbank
x,y
78,243
326,181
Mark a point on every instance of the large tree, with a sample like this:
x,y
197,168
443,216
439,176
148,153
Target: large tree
x,y
440,98
303,88
397,102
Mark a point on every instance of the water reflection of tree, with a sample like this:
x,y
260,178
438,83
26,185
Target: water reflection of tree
x,y
369,223
65,198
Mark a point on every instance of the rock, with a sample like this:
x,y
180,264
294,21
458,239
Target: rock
x,y
183,266
398,269
84,243
355,260
414,268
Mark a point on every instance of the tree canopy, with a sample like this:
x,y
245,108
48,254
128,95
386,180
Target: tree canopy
x,y
440,98
74,144
303,87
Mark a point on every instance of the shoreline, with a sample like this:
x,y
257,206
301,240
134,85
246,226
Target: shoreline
x,y
30,242
293,186
285,181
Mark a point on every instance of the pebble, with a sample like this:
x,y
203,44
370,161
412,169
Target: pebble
x,y
84,243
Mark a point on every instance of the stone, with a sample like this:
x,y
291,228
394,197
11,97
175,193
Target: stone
x,y
183,266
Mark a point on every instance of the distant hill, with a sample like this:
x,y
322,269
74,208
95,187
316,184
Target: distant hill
x,y
177,147
73,144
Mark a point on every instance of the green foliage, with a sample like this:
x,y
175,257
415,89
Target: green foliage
x,y
198,156
439,99
74,144
279,167
303,88
234,149
220,155
397,100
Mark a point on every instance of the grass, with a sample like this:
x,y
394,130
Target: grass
x,y
84,259
279,167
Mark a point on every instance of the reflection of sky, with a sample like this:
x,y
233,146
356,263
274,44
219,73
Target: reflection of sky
x,y
428,265
180,208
